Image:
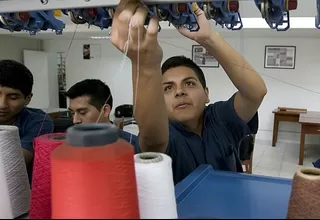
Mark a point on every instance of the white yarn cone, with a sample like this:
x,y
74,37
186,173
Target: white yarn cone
x,y
5,203
155,186
13,176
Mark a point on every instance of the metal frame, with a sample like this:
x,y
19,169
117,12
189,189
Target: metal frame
x,y
277,46
200,65
41,5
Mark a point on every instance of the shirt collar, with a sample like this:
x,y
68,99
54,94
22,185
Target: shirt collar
x,y
182,128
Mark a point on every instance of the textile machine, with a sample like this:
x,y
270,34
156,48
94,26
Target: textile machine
x,y
32,21
44,14
40,15
276,12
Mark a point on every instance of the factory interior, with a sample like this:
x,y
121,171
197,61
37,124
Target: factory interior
x,y
67,41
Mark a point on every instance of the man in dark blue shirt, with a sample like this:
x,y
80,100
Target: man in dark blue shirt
x,y
91,102
16,82
196,134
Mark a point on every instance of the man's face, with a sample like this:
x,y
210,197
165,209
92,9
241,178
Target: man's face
x,y
184,95
11,103
83,112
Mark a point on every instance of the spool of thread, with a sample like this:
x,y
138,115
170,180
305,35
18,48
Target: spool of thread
x,y
14,180
305,194
93,175
5,203
155,186
40,205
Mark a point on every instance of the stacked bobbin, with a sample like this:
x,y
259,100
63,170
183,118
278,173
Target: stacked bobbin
x,y
93,175
305,194
40,205
14,183
96,175
155,186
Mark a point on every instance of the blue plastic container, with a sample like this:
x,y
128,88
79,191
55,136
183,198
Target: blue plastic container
x,y
207,193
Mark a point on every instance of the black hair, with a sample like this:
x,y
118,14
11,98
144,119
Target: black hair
x,y
98,92
16,76
178,61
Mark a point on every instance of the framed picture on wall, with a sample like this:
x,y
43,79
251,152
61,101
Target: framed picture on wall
x,y
91,51
202,58
280,57
86,51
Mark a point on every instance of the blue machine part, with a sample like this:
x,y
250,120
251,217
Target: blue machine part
x,y
224,12
100,17
33,22
276,12
180,14
176,14
317,18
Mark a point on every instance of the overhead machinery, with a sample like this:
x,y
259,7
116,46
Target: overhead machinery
x,y
34,16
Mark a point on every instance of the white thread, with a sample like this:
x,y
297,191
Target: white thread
x,y
5,203
14,172
125,53
137,79
155,186
126,48
57,91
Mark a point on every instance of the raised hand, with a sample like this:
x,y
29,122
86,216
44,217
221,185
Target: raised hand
x,y
205,27
129,34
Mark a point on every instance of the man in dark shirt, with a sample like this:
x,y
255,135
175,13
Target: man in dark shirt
x,y
16,82
195,134
91,102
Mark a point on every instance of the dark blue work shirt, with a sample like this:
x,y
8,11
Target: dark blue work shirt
x,y
32,123
222,131
132,139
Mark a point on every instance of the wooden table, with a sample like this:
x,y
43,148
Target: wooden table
x,y
284,114
310,124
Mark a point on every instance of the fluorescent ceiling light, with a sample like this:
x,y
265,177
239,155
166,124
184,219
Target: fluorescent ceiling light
x,y
248,23
100,37
255,23
295,23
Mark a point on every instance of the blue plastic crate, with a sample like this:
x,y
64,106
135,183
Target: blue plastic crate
x,y
207,193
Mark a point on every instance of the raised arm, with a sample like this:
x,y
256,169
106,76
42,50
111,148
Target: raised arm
x,y
145,54
251,87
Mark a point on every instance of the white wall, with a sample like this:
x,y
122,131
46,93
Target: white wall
x,y
291,88
107,69
43,66
12,47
